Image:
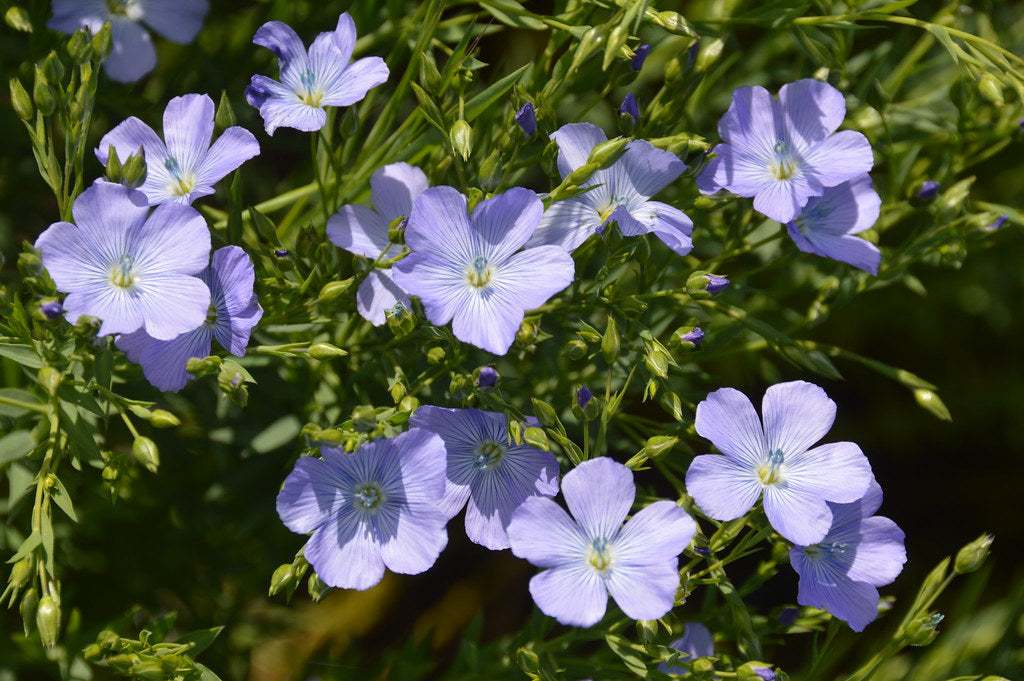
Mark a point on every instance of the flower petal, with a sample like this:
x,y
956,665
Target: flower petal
x,y
311,493
170,304
132,53
750,123
503,223
575,140
566,224
644,169
543,533
837,472
378,293
798,514
669,224
439,224
856,603
827,223
178,21
879,555
188,127
441,286
796,415
394,187
163,362
282,40
358,230
722,487
727,418
70,15
655,534
352,84
574,595
782,200
645,592
740,172
231,278
417,540
843,156
284,113
345,553
232,149
599,493
127,137
811,110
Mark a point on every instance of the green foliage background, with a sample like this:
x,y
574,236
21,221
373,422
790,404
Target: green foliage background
x,y
201,537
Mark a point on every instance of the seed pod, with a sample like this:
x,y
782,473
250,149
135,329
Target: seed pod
x,y
162,418
611,343
49,379
325,351
461,137
48,620
21,101
146,453
971,556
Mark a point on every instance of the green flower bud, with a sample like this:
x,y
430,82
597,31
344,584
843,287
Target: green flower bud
x,y
80,46
48,620
930,401
709,53
991,89
101,44
396,230
17,18
400,320
675,23
611,342
108,640
148,670
113,170
162,418
590,41
607,153
536,437
317,589
544,412
672,405
528,660
755,671
461,137
283,579
92,653
971,556
659,445
325,351
527,333
574,349
42,94
49,379
515,431
21,101
28,608
21,572
581,174
200,366
656,362
924,629
146,453
647,631
225,116
331,436
333,290
133,170
87,325
435,355
53,68
409,404
110,473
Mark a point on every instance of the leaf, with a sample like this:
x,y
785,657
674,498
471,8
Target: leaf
x,y
15,445
627,653
429,108
207,674
485,99
15,402
80,436
943,36
22,354
202,638
19,481
497,9
278,433
27,547
60,496
78,397
46,530
893,7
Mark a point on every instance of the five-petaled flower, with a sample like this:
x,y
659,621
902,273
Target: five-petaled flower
x,y
861,552
828,222
592,554
377,507
484,469
782,152
234,311
132,53
186,166
776,459
362,231
132,269
620,193
468,268
311,80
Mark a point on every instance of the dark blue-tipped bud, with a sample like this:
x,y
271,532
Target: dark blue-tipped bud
x,y
487,377
695,336
765,673
716,285
630,106
53,309
999,222
583,396
787,617
701,550
640,56
281,252
526,119
929,189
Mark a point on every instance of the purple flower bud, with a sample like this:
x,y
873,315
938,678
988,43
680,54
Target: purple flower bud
x,y
487,377
52,309
630,106
929,189
697,335
640,56
716,284
583,396
702,550
999,222
692,57
765,673
787,617
526,119
281,252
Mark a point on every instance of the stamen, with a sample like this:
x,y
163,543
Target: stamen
x,y
480,272
122,273
182,183
311,95
488,455
785,164
369,496
600,554
769,472
614,202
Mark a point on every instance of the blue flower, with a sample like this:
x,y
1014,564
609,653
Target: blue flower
x,y
234,311
132,269
782,152
186,167
861,552
469,269
592,554
776,459
364,232
621,193
696,641
132,54
639,57
369,510
526,119
492,474
487,377
311,80
717,284
828,222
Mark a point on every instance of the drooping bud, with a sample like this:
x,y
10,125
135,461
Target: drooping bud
x,y
48,620
929,190
526,119
28,608
607,153
997,223
536,437
971,556
283,579
461,137
17,18
317,588
146,453
486,377
333,290
20,573
161,418
50,379
640,56
574,349
924,629
931,401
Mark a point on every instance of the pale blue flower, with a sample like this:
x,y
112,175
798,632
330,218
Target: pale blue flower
x,y
828,223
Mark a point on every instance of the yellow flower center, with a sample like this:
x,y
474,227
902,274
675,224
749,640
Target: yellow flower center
x,y
599,555
769,472
123,273
480,272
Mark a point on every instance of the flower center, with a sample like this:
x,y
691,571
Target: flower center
x,y
122,273
599,555
785,164
819,551
614,202
182,183
311,95
480,272
211,317
488,454
369,496
769,472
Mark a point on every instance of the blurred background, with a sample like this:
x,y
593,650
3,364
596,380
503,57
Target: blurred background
x,y
202,538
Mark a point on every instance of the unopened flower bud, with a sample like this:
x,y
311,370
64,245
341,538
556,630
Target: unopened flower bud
x,y
931,401
526,119
755,671
42,94
536,437
108,640
929,190
325,351
544,412
28,608
673,22
49,379
53,68
400,319
317,588
584,396
21,572
630,107
490,171
639,57
924,629
687,337
611,342
283,579
486,377
113,170
582,174
225,116
971,556
146,453
92,653
710,53
647,631
80,46
48,620
701,285
435,355
527,333
409,404
528,660
659,445
461,137
607,153
148,670
200,366
991,90
21,101
574,349
133,170
17,18
997,223
101,44
162,418
333,290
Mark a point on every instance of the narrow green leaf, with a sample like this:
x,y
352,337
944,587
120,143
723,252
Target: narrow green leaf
x,y
24,355
27,547
15,402
280,432
202,638
893,7
630,656
943,37
15,445
485,99
517,17
60,495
